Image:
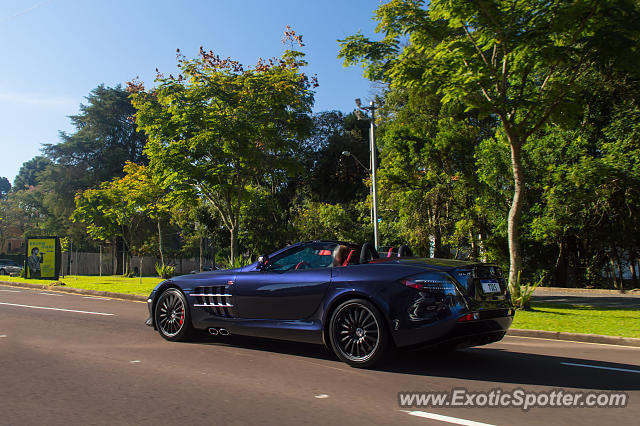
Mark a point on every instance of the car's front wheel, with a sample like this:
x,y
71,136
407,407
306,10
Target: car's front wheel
x,y
3,272
172,317
358,334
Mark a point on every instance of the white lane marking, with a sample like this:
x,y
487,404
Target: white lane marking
x,y
11,291
447,419
3,335
570,341
626,370
56,309
135,361
51,294
322,396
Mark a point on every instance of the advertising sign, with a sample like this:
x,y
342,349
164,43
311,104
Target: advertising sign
x,y
43,258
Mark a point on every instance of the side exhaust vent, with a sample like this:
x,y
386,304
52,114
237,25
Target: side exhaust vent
x,y
215,298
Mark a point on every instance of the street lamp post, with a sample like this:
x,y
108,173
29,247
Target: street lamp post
x,y
374,181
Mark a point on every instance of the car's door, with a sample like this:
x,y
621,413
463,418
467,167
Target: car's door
x,y
291,287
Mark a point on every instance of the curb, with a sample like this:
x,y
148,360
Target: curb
x,y
576,337
71,290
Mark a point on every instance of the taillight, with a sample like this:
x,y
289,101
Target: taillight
x,y
469,317
431,282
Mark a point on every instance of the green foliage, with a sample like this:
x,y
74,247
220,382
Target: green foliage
x,y
524,63
330,176
165,271
28,175
5,187
314,221
219,127
236,262
521,293
105,138
123,207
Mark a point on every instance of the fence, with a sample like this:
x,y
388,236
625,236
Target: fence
x,y
83,263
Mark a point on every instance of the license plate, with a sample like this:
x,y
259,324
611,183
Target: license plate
x,y
490,286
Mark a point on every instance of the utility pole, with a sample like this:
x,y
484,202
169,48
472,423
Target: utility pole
x,y
374,181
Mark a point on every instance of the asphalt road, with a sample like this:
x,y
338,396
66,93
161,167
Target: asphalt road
x,y
72,359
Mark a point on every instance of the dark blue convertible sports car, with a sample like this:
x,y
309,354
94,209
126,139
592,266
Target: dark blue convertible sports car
x,y
349,297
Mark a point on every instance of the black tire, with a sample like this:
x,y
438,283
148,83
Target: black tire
x,y
172,317
358,334
3,272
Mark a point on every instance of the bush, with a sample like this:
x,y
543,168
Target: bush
x,y
238,262
521,294
165,271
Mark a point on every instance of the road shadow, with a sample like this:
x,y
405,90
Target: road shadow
x,y
269,345
484,363
488,363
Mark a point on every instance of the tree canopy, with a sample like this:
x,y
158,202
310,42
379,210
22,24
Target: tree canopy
x,y
519,61
218,128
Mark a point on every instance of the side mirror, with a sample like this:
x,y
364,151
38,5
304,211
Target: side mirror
x,y
263,261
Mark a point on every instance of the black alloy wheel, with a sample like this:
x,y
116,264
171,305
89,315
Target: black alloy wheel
x,y
172,315
358,334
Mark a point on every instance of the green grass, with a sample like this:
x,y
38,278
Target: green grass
x,y
580,319
115,284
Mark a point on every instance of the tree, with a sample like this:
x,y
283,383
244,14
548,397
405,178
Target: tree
x,y
11,219
330,177
123,208
427,171
218,127
105,139
5,187
28,175
517,61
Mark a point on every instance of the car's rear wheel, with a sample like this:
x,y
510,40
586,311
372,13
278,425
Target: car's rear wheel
x,y
3,272
358,334
172,317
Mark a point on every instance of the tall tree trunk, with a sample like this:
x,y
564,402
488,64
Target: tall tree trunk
x,y
234,244
560,272
513,221
474,247
572,261
160,241
616,256
201,254
613,273
634,276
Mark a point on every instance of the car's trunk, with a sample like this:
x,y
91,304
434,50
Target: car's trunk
x,y
484,286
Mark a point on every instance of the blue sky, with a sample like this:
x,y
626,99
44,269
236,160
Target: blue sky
x,y
55,51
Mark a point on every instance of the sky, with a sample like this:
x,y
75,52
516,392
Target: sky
x,y
54,52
